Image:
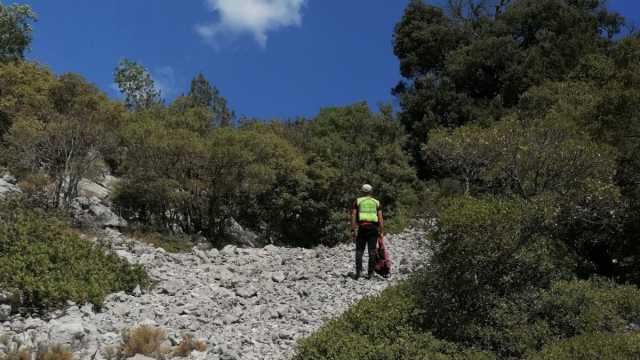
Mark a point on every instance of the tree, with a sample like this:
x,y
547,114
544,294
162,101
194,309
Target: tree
x,y
475,64
137,85
347,147
177,178
487,252
524,159
66,143
203,94
15,30
25,89
545,160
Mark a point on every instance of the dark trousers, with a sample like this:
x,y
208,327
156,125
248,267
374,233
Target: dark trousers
x,y
367,237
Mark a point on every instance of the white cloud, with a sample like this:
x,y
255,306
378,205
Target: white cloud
x,y
255,17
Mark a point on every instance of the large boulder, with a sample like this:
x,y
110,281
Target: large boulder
x,y
8,186
5,312
101,188
95,213
71,332
140,357
92,207
90,189
241,236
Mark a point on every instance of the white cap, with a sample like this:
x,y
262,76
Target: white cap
x,y
367,188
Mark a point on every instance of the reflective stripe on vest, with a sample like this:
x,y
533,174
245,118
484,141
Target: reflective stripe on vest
x,y
368,209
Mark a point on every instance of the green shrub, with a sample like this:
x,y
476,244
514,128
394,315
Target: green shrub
x,y
46,263
598,346
499,281
484,251
173,243
380,327
524,324
579,307
347,147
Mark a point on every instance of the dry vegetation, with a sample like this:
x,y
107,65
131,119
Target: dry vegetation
x,y
189,344
145,340
54,352
150,341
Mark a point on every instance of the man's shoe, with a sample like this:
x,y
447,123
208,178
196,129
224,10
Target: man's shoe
x,y
369,276
355,276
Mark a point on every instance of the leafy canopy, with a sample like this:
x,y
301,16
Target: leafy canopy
x,y
16,30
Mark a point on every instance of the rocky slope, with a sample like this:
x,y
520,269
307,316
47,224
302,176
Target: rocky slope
x,y
246,303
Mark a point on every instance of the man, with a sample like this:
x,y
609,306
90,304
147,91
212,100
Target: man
x,y
367,225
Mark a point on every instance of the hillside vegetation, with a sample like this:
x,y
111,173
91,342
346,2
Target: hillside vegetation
x,y
44,263
523,121
184,172
518,132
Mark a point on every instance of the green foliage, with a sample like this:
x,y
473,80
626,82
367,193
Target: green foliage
x,y
529,322
580,307
351,146
518,325
523,159
46,264
289,183
137,85
380,327
203,94
63,141
474,64
486,250
495,279
25,93
15,27
598,346
200,181
171,242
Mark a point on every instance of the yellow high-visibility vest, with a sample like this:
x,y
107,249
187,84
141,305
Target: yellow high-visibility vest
x,y
368,209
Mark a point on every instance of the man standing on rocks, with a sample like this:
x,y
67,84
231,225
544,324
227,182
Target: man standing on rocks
x,y
367,225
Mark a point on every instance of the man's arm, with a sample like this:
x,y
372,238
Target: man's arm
x,y
354,223
381,222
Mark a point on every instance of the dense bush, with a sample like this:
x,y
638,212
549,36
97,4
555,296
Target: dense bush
x,y
351,146
171,242
181,175
46,264
495,280
597,346
57,129
472,64
486,250
550,161
381,328
522,158
525,323
517,325
25,89
181,180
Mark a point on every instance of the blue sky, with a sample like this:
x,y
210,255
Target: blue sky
x,y
269,58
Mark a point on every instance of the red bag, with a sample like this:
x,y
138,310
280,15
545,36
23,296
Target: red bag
x,y
382,264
